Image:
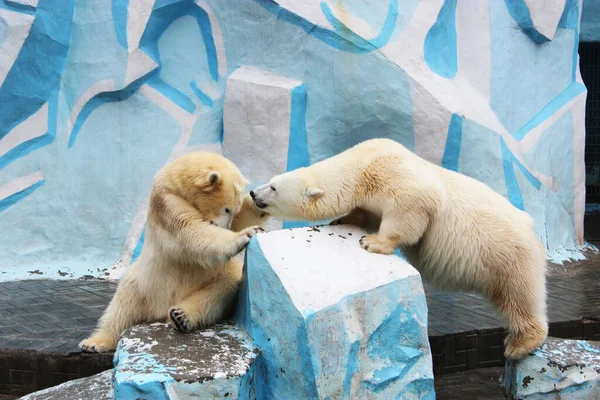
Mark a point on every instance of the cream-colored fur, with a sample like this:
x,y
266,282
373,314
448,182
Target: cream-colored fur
x,y
186,272
457,231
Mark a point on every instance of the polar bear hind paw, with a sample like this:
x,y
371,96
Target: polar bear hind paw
x,y
518,346
373,244
96,344
180,320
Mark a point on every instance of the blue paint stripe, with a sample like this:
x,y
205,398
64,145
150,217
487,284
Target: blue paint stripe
x,y
18,7
298,142
37,71
453,142
514,193
344,39
535,182
572,91
119,17
440,46
177,97
25,148
570,20
209,43
295,224
203,97
351,369
16,197
163,15
108,97
138,247
519,11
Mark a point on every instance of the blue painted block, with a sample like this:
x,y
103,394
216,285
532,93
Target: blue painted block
x,y
559,369
156,362
332,320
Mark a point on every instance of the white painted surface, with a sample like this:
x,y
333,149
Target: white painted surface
x,y
545,15
138,14
430,122
107,85
32,3
474,44
318,269
19,184
579,165
256,116
18,26
307,9
217,37
34,126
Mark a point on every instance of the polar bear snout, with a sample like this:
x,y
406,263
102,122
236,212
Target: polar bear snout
x,y
262,196
258,202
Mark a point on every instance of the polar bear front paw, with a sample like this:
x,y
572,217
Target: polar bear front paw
x,y
180,320
247,234
372,244
253,230
97,344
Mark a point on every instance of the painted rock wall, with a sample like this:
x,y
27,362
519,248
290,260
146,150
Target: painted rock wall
x,y
97,96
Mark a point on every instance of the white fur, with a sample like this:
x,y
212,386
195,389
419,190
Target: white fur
x,y
457,231
187,271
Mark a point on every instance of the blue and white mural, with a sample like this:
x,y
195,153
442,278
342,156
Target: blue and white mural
x,y
97,96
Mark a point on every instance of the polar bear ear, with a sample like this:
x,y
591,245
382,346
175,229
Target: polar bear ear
x,y
313,192
246,181
239,189
210,181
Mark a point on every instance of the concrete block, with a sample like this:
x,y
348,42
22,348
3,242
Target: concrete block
x,y
559,369
95,387
156,362
259,113
332,320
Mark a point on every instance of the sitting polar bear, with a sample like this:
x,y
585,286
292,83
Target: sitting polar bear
x,y
186,272
458,232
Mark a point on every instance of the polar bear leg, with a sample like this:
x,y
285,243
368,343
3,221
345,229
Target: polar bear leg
x,y
361,218
125,310
207,305
522,304
398,227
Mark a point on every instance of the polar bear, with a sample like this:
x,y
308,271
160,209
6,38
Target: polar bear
x,y
186,272
458,232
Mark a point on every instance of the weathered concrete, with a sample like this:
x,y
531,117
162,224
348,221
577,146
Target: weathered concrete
x,y
156,362
559,369
95,387
333,320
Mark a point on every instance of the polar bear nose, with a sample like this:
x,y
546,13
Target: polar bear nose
x,y
252,194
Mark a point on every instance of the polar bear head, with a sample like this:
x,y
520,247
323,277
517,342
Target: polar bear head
x,y
290,195
211,184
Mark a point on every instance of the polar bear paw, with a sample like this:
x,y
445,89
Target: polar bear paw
x,y
518,346
180,320
253,230
247,234
97,344
373,244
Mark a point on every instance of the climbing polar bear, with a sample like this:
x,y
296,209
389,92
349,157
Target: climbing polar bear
x,y
458,232
186,272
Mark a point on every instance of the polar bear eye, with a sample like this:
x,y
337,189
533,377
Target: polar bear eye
x,y
228,211
273,188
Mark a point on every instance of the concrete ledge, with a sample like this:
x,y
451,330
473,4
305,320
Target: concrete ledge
x,y
96,387
333,320
558,369
154,361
